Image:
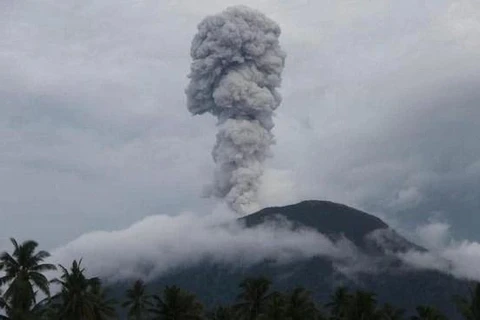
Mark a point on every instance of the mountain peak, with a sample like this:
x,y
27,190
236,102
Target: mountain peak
x,y
326,217
390,279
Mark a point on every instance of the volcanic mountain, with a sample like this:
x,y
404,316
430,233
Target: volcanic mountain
x,y
336,220
376,268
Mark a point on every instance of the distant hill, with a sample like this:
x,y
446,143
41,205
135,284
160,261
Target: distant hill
x,y
390,280
324,216
334,220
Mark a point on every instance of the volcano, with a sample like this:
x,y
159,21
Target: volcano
x,y
377,269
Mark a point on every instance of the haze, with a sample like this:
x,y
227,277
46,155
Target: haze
x,y
380,111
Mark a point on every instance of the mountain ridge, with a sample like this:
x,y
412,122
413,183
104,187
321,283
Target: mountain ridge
x,y
393,282
334,220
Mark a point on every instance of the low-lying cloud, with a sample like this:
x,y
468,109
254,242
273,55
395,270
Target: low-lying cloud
x,y
446,254
160,243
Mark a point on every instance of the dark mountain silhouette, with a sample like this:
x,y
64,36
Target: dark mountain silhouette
x,y
334,220
383,273
324,216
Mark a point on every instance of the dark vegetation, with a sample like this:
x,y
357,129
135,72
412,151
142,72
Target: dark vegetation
x,y
83,298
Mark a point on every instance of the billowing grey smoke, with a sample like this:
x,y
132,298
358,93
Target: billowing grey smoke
x,y
236,68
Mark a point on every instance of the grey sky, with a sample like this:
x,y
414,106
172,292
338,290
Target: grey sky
x,y
380,111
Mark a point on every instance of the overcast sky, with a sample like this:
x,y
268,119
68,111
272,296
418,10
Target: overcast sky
x,y
381,111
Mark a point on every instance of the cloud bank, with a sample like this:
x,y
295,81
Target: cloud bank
x,y
162,243
459,258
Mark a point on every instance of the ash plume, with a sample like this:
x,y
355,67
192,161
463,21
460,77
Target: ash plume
x,y
236,68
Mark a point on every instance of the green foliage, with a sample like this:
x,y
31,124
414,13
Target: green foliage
x,y
339,303
389,312
84,298
176,304
23,274
363,306
358,306
81,297
470,307
138,301
275,308
221,313
255,293
300,305
428,313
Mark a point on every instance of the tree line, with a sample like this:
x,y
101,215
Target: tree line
x,y
79,297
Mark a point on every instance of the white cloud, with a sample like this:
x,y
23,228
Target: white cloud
x,y
459,258
434,235
162,243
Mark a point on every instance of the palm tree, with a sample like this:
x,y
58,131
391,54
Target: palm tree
x,y
46,310
176,304
254,296
428,313
80,297
3,303
389,312
363,306
23,273
4,306
103,307
138,301
221,313
300,305
469,308
39,311
276,308
339,303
